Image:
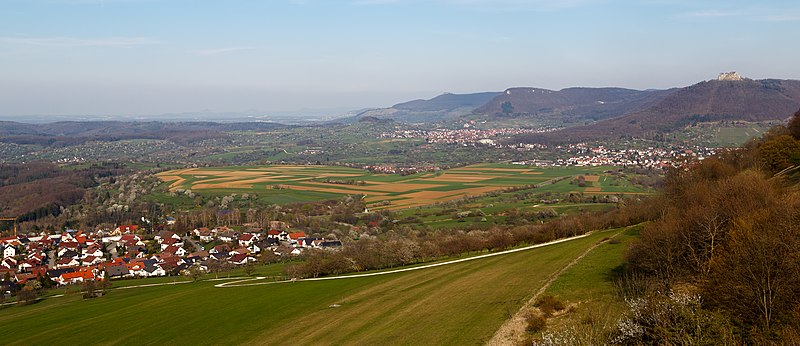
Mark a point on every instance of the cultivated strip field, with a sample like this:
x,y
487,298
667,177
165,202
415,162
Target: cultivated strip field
x,y
381,191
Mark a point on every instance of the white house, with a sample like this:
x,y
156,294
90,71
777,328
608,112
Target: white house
x,y
9,251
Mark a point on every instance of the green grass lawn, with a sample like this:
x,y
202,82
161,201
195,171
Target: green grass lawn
x,y
460,304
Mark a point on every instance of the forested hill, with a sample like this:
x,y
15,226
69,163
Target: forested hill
x,y
569,105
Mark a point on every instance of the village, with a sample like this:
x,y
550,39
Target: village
x,y
74,256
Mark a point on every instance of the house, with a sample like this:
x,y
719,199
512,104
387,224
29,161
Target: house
x,y
133,242
36,256
196,232
126,229
75,277
164,235
67,262
68,245
294,236
220,248
205,235
54,273
67,253
238,251
254,248
81,238
136,251
118,271
22,278
67,237
9,251
9,262
153,269
92,250
171,242
171,264
305,241
285,250
26,265
91,260
227,237
247,239
218,256
263,245
240,259
175,250
136,268
274,233
202,254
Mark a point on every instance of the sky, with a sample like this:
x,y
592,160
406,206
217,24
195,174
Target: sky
x,y
137,57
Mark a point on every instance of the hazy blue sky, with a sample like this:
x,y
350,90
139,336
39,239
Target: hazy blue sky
x,y
157,56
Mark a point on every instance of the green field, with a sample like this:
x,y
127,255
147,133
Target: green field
x,y
290,184
461,303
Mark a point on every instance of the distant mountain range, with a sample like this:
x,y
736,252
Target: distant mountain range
x,y
612,112
586,113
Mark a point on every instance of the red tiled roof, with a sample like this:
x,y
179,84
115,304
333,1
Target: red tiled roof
x,y
77,274
129,228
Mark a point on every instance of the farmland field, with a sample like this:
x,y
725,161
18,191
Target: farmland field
x,y
456,304
381,191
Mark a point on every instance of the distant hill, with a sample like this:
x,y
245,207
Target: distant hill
x,y
448,102
714,100
439,108
569,105
65,133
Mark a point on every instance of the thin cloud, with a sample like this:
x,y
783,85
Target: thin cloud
x,y
71,42
208,52
710,14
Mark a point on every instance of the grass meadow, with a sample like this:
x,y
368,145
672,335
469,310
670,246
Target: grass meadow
x,y
456,304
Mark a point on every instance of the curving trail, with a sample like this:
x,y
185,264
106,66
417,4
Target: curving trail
x,y
512,332
248,282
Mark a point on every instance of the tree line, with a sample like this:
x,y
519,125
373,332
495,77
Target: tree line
x,y
729,232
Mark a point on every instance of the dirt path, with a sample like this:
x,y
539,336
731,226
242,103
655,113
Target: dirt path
x,y
513,330
248,282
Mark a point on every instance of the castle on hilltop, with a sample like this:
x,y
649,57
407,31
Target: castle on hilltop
x,y
729,76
